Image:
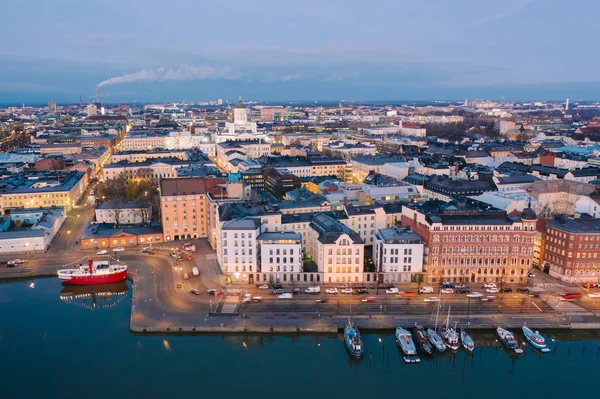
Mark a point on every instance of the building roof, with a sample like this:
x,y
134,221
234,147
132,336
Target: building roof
x,y
191,185
124,205
242,224
279,236
330,229
399,236
576,226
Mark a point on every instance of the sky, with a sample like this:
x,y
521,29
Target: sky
x,y
267,50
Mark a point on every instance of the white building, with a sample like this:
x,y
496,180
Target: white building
x,y
398,254
279,253
240,129
509,201
589,205
238,250
125,213
336,249
91,109
37,229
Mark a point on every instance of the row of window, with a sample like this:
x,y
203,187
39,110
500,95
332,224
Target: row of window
x,y
342,261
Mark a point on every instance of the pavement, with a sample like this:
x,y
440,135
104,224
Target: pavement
x,y
163,301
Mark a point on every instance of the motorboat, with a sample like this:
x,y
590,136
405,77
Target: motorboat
x,y
467,342
535,339
421,341
508,339
353,340
405,343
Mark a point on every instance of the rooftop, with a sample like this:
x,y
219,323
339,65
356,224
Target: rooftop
x,y
399,236
577,226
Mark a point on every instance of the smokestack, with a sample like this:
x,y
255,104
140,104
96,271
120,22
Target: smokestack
x,y
91,265
80,101
98,95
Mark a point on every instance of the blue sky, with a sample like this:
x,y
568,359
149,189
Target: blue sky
x,y
149,50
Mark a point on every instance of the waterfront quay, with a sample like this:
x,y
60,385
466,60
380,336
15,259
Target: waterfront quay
x,y
163,301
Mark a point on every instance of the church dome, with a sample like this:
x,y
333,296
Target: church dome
x,y
240,104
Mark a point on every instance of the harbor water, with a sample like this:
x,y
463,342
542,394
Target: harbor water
x,y
59,342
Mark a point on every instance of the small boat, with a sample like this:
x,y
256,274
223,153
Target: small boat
x,y
436,341
421,340
508,339
353,340
467,342
535,339
449,334
405,342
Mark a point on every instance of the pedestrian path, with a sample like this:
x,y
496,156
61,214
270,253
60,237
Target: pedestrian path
x,y
230,305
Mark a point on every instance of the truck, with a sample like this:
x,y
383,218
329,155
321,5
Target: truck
x,y
287,295
313,290
426,290
195,271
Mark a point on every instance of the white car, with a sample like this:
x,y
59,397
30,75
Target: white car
x,y
264,287
475,295
426,290
18,261
431,299
347,291
118,249
493,290
102,252
343,286
447,291
392,290
333,291
595,295
489,285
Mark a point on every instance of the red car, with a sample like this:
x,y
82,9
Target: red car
x,y
370,299
571,296
190,257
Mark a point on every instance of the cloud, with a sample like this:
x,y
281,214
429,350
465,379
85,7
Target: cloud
x,y
502,14
183,73
271,78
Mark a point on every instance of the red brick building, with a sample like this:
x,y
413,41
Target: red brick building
x,y
467,242
572,249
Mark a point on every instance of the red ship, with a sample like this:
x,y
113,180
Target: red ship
x,y
100,272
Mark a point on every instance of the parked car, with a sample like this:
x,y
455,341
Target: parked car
x,y
462,290
18,261
370,299
195,271
195,292
277,286
492,290
118,249
332,291
524,290
278,291
426,290
594,295
102,252
506,290
447,285
393,290
447,291
489,285
296,291
313,290
342,286
264,287
189,257
361,291
347,291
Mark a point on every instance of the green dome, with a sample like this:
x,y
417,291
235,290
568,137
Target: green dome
x,y
240,104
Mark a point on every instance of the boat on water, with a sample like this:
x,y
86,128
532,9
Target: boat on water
x,y
420,339
508,339
536,339
449,334
436,341
353,340
467,342
405,342
99,272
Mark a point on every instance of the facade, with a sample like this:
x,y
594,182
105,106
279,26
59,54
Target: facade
x,y
337,250
279,253
397,254
124,213
142,156
158,168
470,243
238,250
572,249
36,230
107,236
279,181
240,128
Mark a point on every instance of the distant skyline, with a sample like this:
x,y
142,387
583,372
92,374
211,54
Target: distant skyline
x,y
271,51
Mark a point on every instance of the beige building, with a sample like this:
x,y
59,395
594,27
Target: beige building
x,y
559,196
142,156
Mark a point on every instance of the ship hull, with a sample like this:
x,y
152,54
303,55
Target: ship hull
x,y
95,279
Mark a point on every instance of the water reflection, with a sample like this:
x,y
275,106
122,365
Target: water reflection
x,y
94,297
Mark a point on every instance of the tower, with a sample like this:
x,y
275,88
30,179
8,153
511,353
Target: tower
x,y
97,95
567,105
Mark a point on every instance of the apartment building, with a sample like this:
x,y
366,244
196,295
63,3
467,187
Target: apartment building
x,y
397,254
280,253
124,213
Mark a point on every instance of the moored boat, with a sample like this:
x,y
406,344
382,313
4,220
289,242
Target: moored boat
x,y
405,343
536,339
99,272
436,341
449,334
353,340
420,339
508,339
467,342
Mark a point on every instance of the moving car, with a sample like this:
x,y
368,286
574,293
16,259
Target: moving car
x,y
524,290
287,295
462,290
332,291
186,276
594,295
321,300
426,290
492,290
264,287
118,249
296,291
393,290
447,291
214,292
489,285
347,291
370,299
195,292
475,295
195,271
18,261
488,298
247,298
256,299
102,252
571,295
432,299
278,291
